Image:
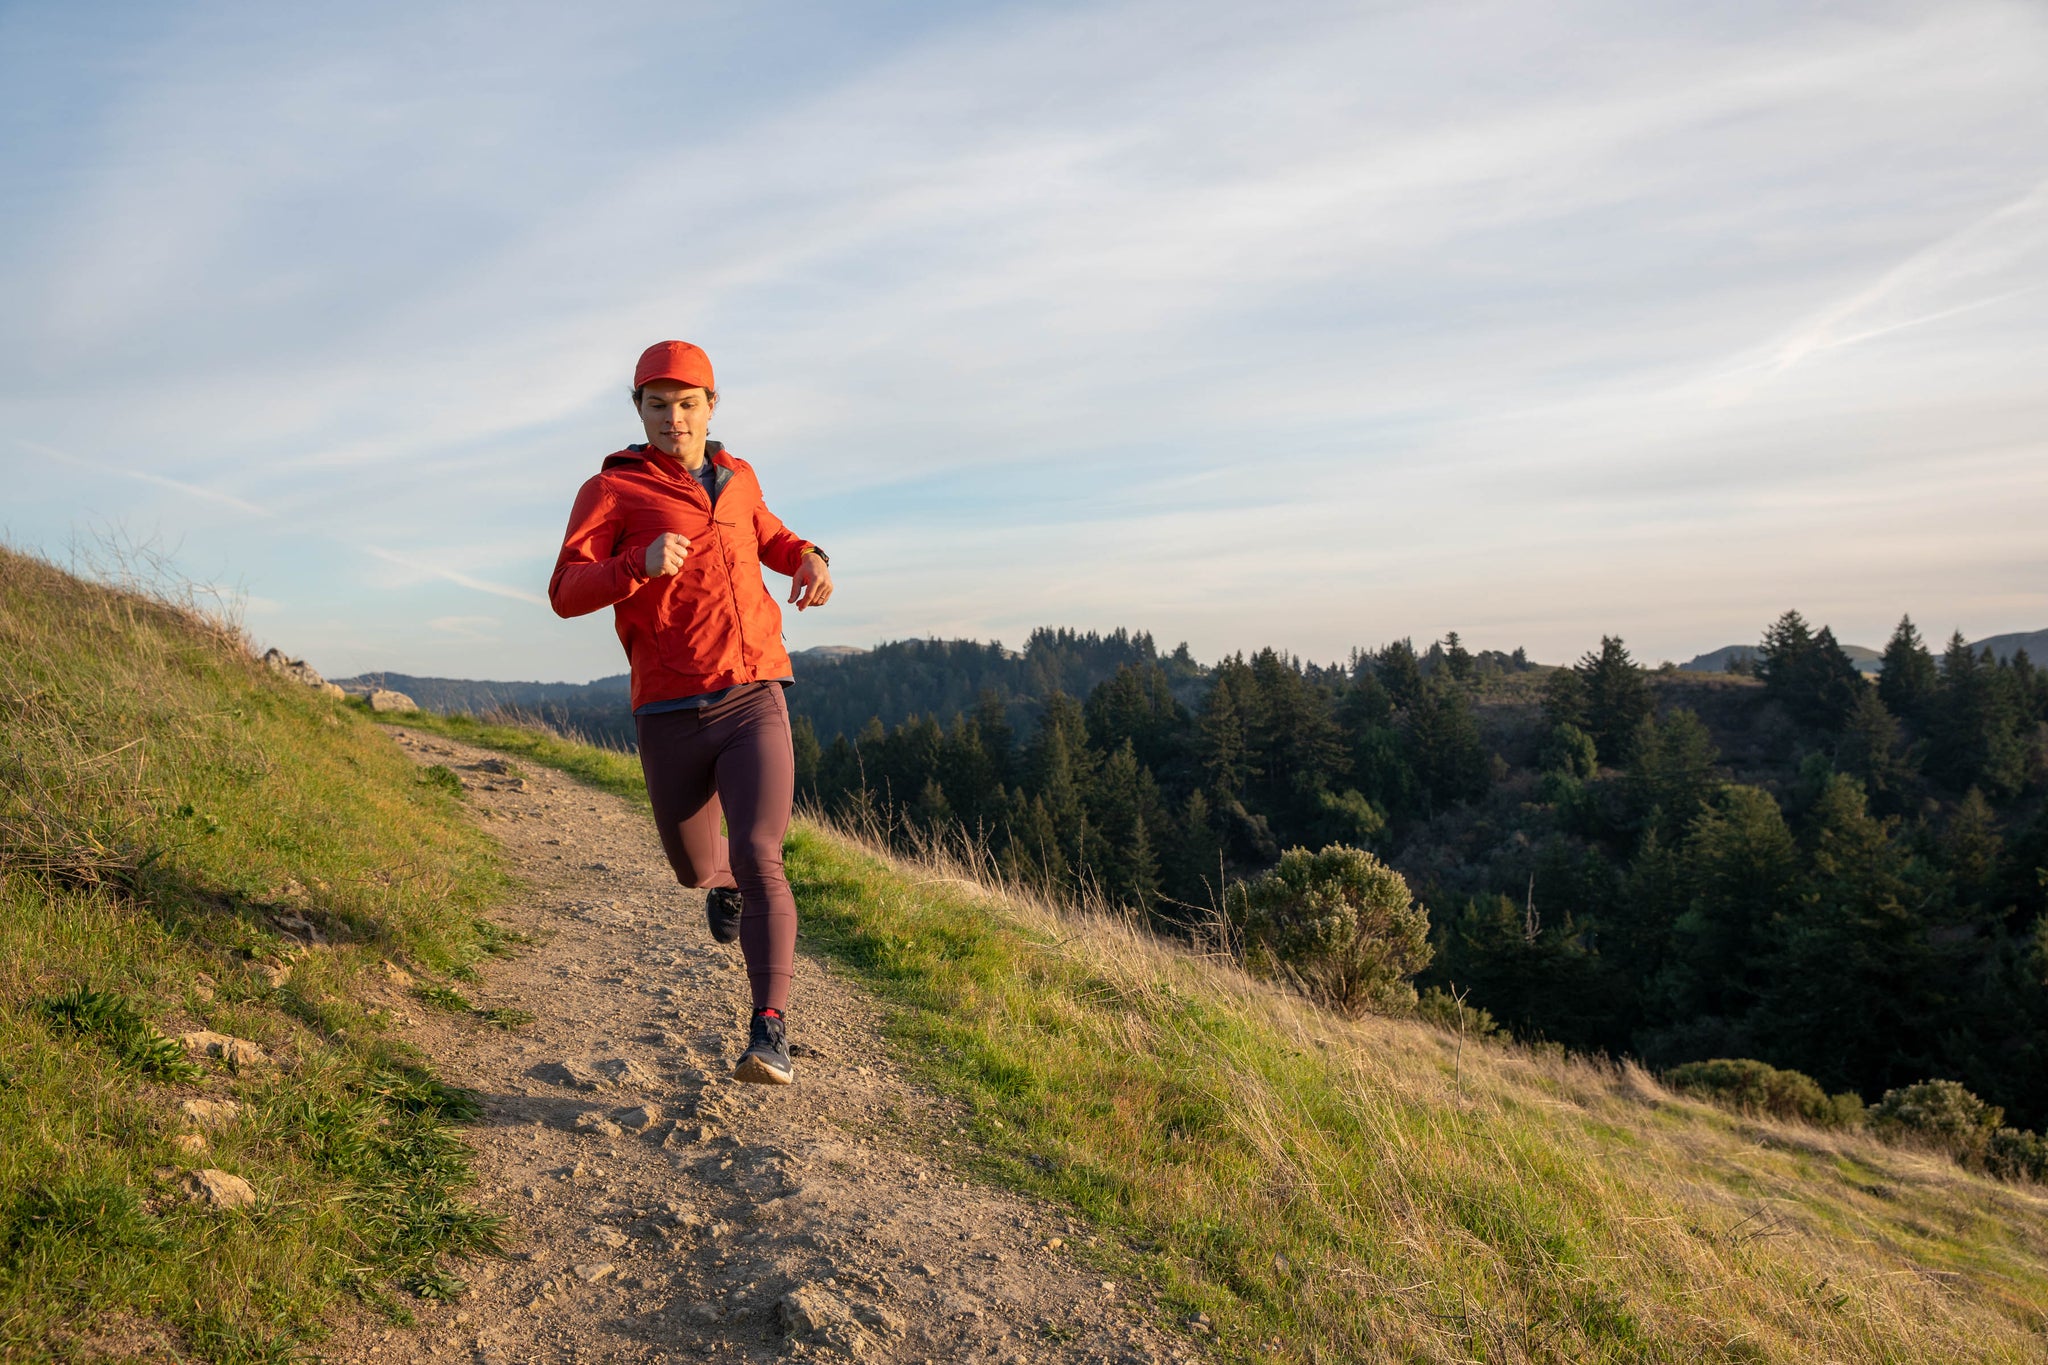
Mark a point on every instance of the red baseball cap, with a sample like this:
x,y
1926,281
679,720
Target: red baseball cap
x,y
676,360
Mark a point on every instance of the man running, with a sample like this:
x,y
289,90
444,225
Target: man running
x,y
672,535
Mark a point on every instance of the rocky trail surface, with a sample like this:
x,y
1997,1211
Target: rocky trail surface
x,y
658,1211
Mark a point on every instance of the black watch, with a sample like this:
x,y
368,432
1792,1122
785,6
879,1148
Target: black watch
x,y
814,550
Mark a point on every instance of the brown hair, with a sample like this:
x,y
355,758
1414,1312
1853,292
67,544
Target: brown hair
x,y
711,394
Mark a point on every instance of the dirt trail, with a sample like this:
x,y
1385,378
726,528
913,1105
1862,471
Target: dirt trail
x,y
662,1212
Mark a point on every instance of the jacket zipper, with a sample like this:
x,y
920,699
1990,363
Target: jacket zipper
x,y
732,595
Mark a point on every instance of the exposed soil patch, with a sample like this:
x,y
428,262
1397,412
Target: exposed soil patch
x,y
661,1211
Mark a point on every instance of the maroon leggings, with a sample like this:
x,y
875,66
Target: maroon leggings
x,y
731,759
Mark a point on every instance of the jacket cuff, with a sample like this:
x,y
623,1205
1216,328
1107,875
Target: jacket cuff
x,y
634,565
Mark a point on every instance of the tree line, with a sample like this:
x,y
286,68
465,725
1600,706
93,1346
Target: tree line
x,y
1859,897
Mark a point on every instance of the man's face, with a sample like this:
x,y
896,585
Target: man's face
x,y
677,418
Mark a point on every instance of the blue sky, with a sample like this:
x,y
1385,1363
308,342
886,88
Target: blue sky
x,y
1529,321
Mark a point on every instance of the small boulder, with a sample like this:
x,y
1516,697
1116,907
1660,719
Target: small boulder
x,y
334,690
298,926
209,1113
222,1048
298,670
592,1272
217,1189
638,1119
189,1143
384,699
273,975
814,1315
395,974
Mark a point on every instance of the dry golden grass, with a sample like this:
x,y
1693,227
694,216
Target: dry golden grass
x,y
1375,1189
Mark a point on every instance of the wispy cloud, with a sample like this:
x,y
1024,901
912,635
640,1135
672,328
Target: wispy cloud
x,y
2011,237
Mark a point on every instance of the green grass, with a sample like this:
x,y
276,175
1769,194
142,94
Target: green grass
x,y
606,769
1381,1190
169,813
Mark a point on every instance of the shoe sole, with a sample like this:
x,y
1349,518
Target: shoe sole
x,y
719,937
753,1071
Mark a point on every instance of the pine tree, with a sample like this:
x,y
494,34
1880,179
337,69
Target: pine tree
x,y
1222,747
1564,699
1296,745
1671,773
966,773
807,755
1979,725
1443,746
1399,671
1194,875
1872,748
1910,679
998,739
1972,853
1809,673
1126,867
1781,658
1457,658
1849,972
1744,871
1835,685
1617,697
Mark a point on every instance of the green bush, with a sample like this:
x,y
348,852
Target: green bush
x,y
2016,1154
1755,1087
1451,1014
1940,1114
1569,751
1340,924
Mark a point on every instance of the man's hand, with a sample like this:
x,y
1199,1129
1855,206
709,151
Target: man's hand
x,y
666,554
812,586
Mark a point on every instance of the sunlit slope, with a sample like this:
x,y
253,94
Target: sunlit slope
x,y
1330,1190
189,842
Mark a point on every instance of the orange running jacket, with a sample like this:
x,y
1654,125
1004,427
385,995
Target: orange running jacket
x,y
709,625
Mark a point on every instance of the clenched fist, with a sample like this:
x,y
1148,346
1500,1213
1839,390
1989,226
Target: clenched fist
x,y
666,554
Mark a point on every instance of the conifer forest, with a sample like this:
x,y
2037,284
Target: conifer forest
x,y
1797,863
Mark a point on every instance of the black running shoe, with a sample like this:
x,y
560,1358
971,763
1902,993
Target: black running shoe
x,y
722,909
766,1060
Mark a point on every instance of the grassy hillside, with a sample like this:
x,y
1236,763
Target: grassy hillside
x,y
188,842
1330,1190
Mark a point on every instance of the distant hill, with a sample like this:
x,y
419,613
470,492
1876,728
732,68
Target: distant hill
x,y
598,709
474,697
2035,642
847,684
1717,661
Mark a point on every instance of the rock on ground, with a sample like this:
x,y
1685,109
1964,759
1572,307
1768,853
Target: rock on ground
x,y
221,1047
218,1189
384,699
298,670
209,1113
